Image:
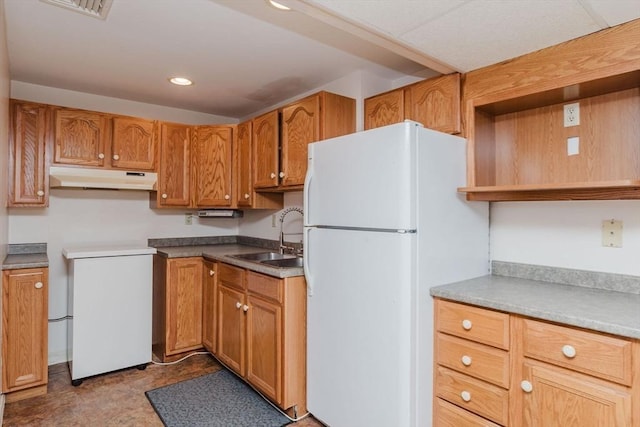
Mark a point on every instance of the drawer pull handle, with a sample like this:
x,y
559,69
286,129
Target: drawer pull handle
x,y
39,285
526,386
466,396
466,360
466,324
569,351
238,304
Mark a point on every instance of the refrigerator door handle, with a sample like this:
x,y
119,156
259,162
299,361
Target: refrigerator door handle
x,y
305,262
307,192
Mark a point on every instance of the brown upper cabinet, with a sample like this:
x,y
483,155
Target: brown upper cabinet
x,y
247,197
88,138
434,102
29,129
519,147
196,166
280,163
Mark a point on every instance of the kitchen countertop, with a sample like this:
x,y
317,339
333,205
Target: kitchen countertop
x,y
595,308
222,253
29,255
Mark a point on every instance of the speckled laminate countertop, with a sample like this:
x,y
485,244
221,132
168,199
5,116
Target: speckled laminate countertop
x,y
593,307
29,255
223,252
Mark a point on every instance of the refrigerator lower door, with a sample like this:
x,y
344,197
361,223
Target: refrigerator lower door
x,y
360,327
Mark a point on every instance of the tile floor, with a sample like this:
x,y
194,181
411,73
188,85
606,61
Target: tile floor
x,y
114,399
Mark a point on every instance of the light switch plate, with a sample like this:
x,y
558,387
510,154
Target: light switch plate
x,y
612,233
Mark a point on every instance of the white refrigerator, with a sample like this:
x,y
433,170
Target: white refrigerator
x,y
383,224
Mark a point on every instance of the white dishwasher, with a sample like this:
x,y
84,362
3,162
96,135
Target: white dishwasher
x,y
110,294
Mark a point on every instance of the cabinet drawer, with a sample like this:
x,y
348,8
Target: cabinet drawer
x,y
473,323
589,352
477,396
229,275
266,286
448,415
479,361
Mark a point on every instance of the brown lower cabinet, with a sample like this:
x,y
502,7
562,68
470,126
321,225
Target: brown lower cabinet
x,y
177,306
24,332
261,333
494,368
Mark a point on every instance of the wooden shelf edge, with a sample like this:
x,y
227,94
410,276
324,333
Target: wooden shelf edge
x,y
605,190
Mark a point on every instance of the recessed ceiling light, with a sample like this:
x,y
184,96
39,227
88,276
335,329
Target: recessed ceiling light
x,y
181,81
278,5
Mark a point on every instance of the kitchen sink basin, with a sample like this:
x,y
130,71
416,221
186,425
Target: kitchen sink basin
x,y
284,263
264,256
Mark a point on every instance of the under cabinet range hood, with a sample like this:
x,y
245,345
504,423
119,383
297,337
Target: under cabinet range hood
x,y
101,178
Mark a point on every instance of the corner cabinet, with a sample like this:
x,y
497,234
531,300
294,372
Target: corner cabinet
x,y
433,102
261,333
25,298
520,147
280,163
29,130
177,306
494,368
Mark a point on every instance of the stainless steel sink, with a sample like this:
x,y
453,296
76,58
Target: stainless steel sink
x,y
273,259
263,256
284,263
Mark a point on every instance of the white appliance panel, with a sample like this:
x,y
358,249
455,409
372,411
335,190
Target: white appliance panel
x,y
360,326
365,179
111,303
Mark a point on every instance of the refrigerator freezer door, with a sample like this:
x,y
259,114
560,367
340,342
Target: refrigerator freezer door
x,y
360,327
365,179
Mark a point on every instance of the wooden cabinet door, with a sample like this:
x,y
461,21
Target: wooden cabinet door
x,y
24,328
174,172
28,177
213,160
133,144
384,109
562,398
231,328
300,126
184,305
209,291
264,346
244,176
436,103
265,150
80,137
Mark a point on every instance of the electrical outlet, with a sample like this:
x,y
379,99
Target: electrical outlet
x,y
188,219
612,233
571,114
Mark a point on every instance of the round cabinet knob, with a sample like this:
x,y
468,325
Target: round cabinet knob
x,y
246,195
273,175
569,351
281,174
238,304
466,396
38,285
101,156
164,195
116,157
467,325
227,197
40,193
211,272
526,386
245,307
466,360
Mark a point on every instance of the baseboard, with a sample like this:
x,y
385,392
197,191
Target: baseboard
x,y
58,357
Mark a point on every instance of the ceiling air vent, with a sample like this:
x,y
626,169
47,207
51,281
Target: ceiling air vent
x,y
96,8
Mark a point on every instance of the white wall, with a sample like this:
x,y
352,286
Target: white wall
x,y
566,234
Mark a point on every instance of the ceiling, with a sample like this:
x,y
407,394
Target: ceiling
x,y
245,56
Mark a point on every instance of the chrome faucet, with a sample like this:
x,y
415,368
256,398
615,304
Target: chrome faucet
x,y
282,246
